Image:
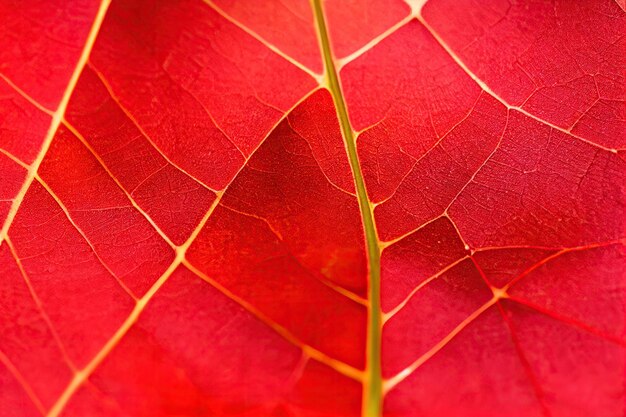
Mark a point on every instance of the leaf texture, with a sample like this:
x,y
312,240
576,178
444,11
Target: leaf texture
x,y
339,208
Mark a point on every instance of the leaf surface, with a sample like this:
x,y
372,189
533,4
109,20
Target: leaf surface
x,y
356,208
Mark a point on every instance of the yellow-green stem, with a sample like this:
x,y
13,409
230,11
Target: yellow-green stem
x,y
372,385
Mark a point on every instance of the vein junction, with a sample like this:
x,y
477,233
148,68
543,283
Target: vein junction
x,y
372,379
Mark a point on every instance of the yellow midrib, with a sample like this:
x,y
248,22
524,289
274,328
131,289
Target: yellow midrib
x,y
372,385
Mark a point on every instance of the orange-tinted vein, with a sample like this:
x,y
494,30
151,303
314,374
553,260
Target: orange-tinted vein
x,y
317,77
134,121
558,254
57,116
506,123
310,351
39,304
76,133
532,378
486,88
318,162
140,304
371,44
537,390
390,383
387,316
206,110
568,321
83,235
26,96
429,150
81,376
324,280
22,381
15,159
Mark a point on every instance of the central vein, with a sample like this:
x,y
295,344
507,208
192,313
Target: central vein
x,y
372,385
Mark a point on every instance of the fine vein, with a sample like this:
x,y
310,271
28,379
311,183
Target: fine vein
x,y
487,89
57,117
81,376
372,383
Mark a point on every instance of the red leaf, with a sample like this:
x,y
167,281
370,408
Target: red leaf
x,y
276,208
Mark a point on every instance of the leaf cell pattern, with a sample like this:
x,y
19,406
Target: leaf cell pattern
x,y
337,208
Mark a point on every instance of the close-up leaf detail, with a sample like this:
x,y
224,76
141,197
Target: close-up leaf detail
x,y
324,208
